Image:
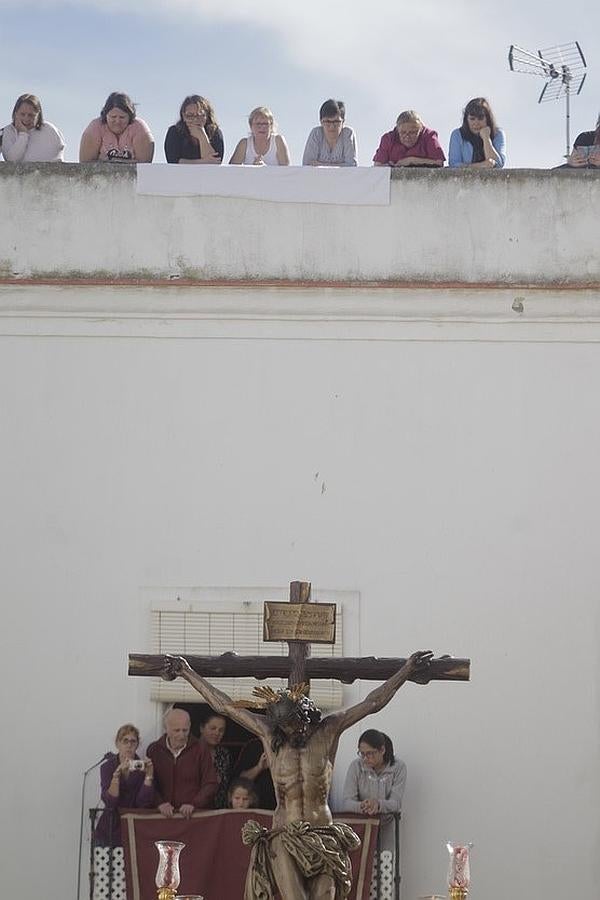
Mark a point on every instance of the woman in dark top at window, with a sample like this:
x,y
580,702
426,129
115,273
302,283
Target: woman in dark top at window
x,y
212,732
196,137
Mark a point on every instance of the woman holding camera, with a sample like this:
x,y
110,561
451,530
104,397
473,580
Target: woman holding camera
x,y
125,781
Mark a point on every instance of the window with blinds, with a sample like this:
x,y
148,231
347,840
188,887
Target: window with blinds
x,y
210,632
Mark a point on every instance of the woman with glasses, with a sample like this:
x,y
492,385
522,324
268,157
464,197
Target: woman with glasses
x,y
410,144
331,143
196,137
263,146
125,781
478,142
375,782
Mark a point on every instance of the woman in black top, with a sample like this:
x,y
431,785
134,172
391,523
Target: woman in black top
x,y
212,732
196,137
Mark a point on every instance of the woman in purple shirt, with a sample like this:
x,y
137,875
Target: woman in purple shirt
x,y
410,143
126,782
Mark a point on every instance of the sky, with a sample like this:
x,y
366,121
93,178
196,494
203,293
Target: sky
x,y
381,58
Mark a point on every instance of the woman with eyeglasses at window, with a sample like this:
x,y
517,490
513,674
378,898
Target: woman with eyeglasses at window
x,y
410,144
331,143
126,782
196,138
375,782
478,142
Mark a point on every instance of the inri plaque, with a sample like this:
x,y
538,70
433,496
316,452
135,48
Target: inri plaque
x,y
314,622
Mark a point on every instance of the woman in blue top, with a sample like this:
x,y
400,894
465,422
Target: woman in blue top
x,y
478,142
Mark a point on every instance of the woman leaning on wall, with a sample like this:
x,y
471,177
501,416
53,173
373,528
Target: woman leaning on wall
x,y
117,135
196,137
28,138
409,144
263,146
332,143
478,142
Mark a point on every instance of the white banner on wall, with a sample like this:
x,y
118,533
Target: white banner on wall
x,y
352,186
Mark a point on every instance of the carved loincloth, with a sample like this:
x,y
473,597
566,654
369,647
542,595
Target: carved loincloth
x,y
315,850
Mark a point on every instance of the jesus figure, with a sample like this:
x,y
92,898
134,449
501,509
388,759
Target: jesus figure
x,y
305,855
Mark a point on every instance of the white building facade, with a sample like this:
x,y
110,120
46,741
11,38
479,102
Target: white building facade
x,y
395,402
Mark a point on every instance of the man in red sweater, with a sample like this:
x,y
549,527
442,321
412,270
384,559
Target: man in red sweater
x,y
184,776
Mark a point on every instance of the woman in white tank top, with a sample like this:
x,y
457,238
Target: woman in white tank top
x,y
262,147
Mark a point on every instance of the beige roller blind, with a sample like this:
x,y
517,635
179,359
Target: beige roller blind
x,y
212,632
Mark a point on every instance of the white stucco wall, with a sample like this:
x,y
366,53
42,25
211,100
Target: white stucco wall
x,y
508,226
435,451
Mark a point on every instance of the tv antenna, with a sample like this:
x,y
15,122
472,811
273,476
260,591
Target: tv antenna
x,y
563,67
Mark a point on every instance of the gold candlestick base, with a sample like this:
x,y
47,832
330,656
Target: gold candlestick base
x,y
166,893
457,893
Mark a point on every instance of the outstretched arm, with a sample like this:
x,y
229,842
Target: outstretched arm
x,y
415,665
178,666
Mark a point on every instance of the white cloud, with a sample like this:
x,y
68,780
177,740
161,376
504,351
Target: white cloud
x,y
333,37
398,54
425,54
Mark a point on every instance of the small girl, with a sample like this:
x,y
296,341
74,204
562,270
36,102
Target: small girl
x,y
241,794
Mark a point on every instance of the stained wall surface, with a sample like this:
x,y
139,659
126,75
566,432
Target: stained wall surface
x,y
508,226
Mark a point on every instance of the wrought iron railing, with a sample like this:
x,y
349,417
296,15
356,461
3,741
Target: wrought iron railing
x,y
380,894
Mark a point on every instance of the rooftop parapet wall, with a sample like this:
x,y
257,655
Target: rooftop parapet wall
x,y
80,222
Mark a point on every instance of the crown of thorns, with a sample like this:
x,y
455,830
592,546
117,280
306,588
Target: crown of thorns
x,y
295,704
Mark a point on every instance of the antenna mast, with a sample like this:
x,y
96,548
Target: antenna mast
x,y
564,69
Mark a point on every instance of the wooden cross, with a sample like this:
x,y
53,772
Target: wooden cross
x,y
298,648
299,666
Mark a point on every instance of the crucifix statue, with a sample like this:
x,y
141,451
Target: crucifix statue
x,y
305,855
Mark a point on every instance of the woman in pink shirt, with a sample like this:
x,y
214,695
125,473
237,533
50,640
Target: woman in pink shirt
x,y
118,135
410,143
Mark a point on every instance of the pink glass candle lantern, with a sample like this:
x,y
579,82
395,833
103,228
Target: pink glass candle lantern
x,y
167,874
459,871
